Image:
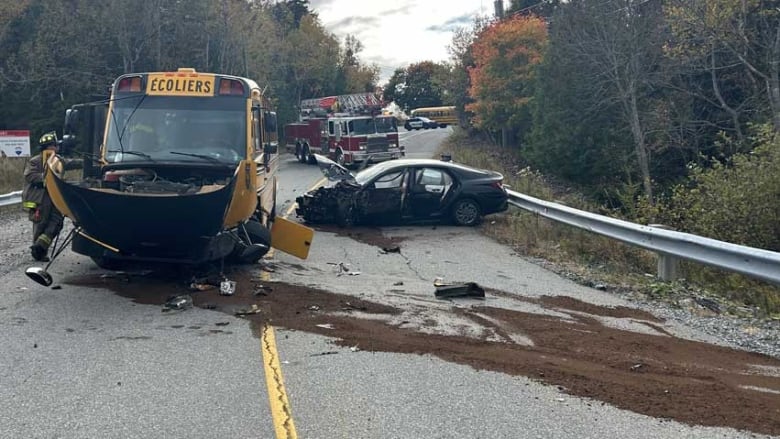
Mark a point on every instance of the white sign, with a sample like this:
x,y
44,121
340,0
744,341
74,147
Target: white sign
x,y
15,143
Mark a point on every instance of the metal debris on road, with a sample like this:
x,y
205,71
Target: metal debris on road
x,y
254,309
262,290
344,269
394,249
201,287
227,287
398,283
183,301
324,353
464,289
325,326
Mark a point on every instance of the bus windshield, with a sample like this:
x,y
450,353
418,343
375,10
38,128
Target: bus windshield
x,y
152,128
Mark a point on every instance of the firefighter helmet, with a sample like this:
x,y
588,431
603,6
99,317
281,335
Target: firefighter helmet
x,y
47,140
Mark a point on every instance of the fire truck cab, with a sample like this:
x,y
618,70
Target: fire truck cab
x,y
349,137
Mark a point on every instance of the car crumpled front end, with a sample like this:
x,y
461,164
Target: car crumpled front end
x,y
340,203
336,204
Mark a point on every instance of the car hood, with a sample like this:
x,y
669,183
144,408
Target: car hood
x,y
332,170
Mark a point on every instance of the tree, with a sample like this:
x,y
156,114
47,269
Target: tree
x,y
725,31
353,76
461,54
574,134
505,54
418,85
618,43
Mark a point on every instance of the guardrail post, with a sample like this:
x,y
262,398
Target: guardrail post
x,y
668,266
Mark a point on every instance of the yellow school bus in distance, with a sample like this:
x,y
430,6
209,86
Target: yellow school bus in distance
x,y
443,115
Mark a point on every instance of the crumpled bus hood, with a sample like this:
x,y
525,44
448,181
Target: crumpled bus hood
x,y
138,223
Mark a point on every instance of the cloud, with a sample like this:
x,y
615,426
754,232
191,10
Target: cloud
x,y
452,24
354,25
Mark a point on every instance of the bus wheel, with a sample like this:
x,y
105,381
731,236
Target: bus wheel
x,y
244,253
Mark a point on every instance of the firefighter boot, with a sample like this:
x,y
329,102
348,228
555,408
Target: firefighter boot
x,y
38,253
41,248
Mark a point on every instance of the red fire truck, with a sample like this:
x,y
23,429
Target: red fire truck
x,y
349,129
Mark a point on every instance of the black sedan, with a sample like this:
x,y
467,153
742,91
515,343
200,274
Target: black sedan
x,y
404,191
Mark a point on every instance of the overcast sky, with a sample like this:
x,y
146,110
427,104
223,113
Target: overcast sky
x,y
397,33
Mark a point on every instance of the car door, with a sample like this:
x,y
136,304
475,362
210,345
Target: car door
x,y
426,194
384,197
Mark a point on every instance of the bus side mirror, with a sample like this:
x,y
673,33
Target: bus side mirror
x,y
68,143
270,121
71,119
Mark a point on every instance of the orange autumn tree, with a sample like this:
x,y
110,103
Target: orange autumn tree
x,y
505,54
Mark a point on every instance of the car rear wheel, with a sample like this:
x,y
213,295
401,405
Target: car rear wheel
x,y
465,212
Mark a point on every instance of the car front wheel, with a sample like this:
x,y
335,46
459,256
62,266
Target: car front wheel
x,y
465,212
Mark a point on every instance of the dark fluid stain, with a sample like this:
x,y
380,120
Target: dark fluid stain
x,y
656,375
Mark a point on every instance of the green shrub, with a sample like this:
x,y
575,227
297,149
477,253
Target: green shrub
x,y
737,202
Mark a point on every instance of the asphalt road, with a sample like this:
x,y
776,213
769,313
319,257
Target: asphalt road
x,y
84,362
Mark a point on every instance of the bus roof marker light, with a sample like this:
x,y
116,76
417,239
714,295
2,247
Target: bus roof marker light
x,y
129,84
231,87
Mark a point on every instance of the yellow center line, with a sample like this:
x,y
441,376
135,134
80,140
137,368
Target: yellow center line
x,y
277,395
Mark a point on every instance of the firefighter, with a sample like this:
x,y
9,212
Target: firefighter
x,y
47,220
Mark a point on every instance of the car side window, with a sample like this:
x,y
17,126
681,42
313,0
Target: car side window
x,y
430,176
390,180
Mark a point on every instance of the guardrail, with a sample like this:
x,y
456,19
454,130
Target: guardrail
x,y
669,245
12,198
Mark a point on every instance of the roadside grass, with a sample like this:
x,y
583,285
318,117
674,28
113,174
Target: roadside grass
x,y
593,259
11,174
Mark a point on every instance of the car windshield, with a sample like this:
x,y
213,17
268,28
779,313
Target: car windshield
x,y
147,128
368,174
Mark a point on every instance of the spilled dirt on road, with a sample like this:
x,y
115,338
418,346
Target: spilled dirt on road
x,y
653,374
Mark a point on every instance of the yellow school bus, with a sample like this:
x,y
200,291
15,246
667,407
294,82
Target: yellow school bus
x,y
443,115
184,170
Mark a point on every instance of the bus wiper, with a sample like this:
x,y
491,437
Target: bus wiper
x,y
138,153
200,156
